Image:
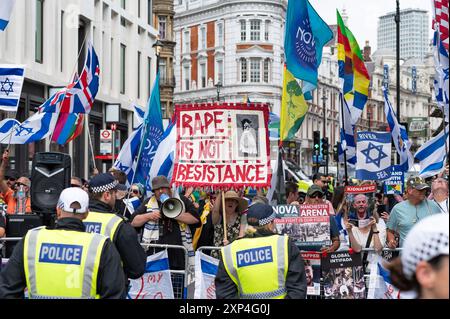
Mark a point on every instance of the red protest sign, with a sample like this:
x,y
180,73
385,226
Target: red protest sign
x,y
222,146
360,189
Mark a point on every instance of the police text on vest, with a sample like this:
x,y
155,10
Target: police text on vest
x,y
92,227
254,256
61,254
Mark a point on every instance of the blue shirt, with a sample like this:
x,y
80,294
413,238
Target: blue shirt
x,y
404,215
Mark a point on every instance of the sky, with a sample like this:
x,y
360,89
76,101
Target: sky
x,y
363,15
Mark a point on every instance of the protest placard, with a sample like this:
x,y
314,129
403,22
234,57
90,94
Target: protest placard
x,y
312,271
309,225
395,184
222,146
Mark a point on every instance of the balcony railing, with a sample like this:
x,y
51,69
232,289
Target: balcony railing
x,y
167,81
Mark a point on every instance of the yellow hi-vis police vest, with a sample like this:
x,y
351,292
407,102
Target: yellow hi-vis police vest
x,y
258,266
62,264
102,223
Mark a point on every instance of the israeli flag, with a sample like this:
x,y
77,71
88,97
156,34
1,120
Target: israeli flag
x,y
441,85
126,159
373,156
432,155
132,203
6,7
11,81
35,128
165,153
347,132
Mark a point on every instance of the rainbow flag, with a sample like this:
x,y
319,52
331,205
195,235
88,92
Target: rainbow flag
x,y
354,78
293,107
68,127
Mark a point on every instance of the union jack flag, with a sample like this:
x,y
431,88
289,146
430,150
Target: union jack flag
x,y
79,95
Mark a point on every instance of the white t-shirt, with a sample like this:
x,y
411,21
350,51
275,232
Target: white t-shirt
x,y
443,205
361,237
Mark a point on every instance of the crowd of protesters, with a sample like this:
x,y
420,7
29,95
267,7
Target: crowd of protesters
x,y
205,221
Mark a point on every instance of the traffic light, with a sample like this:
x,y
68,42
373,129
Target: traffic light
x,y
336,152
325,146
316,140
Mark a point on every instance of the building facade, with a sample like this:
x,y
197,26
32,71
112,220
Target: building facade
x,y
163,11
48,35
414,39
229,50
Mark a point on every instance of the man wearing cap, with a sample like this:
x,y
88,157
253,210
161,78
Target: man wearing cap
x,y
65,262
16,198
160,229
103,220
407,213
262,265
316,196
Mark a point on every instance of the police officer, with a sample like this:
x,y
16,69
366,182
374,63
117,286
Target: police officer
x,y
103,220
65,262
262,265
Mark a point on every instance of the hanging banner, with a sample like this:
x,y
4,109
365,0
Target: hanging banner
x,y
414,80
222,146
156,282
205,274
386,77
395,184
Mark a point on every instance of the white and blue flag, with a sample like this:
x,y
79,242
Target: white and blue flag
x,y
126,159
373,156
399,135
347,132
11,81
165,153
6,7
35,128
432,155
441,85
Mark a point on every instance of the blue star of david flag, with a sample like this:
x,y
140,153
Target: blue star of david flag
x,y
6,7
306,34
373,152
153,132
11,81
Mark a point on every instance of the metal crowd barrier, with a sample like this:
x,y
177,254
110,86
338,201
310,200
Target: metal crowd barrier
x,y
179,277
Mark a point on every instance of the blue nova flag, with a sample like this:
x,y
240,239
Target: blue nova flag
x,y
306,34
11,81
373,156
153,132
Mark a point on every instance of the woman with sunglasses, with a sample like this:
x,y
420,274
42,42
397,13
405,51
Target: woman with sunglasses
x,y
18,197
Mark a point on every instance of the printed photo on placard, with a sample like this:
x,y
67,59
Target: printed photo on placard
x,y
343,276
312,271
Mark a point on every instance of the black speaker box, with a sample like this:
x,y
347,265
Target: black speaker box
x,y
17,226
51,173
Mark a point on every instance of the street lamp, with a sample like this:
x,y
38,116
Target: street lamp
x,y
157,46
218,86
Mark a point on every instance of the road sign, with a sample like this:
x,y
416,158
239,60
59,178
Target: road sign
x,y
106,135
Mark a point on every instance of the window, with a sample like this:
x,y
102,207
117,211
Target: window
x,y
255,30
39,35
122,68
139,75
162,70
266,31
61,39
266,70
186,77
220,71
123,4
202,38
255,70
186,42
203,75
220,34
243,30
149,12
139,8
162,27
244,70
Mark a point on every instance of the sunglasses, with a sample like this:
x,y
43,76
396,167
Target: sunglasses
x,y
135,191
75,185
17,185
316,196
12,179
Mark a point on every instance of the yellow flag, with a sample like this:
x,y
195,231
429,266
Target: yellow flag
x,y
293,107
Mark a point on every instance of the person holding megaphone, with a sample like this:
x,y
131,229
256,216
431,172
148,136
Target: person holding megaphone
x,y
163,217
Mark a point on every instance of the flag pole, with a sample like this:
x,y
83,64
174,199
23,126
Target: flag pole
x,y
225,237
90,141
341,100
